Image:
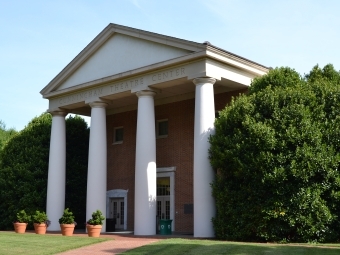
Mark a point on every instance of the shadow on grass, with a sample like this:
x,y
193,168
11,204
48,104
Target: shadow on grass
x,y
193,247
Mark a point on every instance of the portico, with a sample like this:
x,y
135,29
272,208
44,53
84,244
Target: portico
x,y
129,72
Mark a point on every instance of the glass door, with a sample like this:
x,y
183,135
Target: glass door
x,y
117,212
163,198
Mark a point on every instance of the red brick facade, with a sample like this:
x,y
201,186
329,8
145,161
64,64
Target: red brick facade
x,y
176,150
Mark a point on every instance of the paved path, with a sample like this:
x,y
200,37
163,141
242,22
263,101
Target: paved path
x,y
117,245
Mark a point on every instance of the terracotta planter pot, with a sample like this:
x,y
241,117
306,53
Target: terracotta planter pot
x,y
19,228
67,229
40,229
93,230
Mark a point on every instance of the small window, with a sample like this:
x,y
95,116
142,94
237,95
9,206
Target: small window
x,y
162,128
118,135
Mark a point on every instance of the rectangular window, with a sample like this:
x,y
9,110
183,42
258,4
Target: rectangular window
x,y
163,186
162,128
118,135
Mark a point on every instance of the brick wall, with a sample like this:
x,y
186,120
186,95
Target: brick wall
x,y
121,158
175,150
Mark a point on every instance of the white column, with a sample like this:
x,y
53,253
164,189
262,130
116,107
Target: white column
x,y
145,170
55,201
97,165
204,204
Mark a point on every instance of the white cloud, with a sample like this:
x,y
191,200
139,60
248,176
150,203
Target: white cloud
x,y
136,3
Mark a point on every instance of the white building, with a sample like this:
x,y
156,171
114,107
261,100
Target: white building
x,y
152,101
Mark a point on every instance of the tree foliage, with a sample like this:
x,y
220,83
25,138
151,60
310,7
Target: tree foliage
x,y
277,155
77,147
5,134
24,168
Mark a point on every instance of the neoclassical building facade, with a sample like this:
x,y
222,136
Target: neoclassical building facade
x,y
152,100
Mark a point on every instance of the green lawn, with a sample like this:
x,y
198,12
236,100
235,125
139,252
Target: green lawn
x,y
33,244
176,246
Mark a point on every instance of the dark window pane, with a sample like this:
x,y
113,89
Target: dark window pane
x,y
162,128
119,133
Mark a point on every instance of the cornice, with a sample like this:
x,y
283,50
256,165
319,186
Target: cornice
x,y
155,37
214,54
124,75
235,60
95,44
200,51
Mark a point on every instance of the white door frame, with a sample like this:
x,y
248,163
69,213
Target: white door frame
x,y
169,172
117,193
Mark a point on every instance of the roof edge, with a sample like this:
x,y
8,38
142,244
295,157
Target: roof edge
x,y
112,28
104,35
237,57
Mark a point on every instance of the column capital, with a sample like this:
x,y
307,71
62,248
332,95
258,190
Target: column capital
x,y
201,80
58,113
145,93
98,104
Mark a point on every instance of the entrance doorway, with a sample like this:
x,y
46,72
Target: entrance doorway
x,y
166,194
118,196
117,212
163,198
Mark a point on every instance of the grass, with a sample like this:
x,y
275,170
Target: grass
x,y
29,244
33,244
176,246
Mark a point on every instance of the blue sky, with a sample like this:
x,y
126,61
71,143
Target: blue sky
x,y
39,38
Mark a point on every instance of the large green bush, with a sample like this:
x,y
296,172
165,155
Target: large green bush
x,y
277,156
24,169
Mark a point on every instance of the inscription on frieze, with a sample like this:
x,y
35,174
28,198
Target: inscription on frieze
x,y
82,96
121,86
126,85
168,75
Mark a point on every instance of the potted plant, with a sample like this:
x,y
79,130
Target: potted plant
x,y
40,222
94,225
21,222
67,223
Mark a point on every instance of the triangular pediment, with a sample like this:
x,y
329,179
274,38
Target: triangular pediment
x,y
119,54
118,49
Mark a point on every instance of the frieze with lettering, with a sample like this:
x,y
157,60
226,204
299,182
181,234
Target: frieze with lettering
x,y
168,75
134,85
82,96
126,85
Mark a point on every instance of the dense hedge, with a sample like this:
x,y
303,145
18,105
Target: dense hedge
x,y
24,169
277,156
